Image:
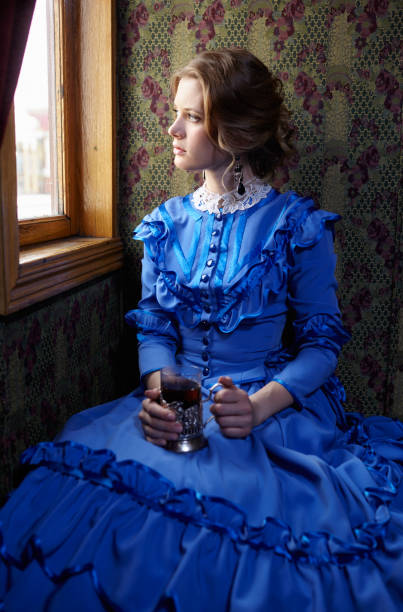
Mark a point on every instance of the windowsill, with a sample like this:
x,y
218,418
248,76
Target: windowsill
x,y
47,269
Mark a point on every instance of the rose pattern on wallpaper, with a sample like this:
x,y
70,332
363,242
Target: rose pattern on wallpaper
x,y
339,64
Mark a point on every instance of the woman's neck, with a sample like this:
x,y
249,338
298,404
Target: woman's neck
x,y
222,183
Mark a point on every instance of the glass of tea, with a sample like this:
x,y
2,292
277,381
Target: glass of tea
x,y
181,392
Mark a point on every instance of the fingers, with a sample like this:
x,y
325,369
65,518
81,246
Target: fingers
x,y
154,394
235,432
232,409
153,413
226,381
159,435
230,395
232,416
235,427
157,420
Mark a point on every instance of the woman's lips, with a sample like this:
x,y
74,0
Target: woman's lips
x,y
178,150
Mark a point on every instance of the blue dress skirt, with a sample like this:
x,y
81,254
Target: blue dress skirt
x,y
305,513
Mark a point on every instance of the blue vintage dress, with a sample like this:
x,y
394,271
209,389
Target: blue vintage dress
x,y
303,514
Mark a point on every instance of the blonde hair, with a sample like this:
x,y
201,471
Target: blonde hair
x,y
243,107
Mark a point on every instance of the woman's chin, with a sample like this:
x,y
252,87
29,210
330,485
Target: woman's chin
x,y
181,164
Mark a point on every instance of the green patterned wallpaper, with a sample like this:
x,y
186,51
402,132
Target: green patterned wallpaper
x,y
57,359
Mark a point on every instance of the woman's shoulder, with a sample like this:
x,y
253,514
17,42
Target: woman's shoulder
x,y
174,213
290,200
294,206
289,220
302,220
171,204
175,208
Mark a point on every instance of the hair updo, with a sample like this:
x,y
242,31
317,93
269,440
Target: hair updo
x,y
243,107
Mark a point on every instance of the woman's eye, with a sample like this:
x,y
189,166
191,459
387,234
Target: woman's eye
x,y
189,116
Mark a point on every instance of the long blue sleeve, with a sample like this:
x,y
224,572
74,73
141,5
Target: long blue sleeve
x,y
157,333
318,332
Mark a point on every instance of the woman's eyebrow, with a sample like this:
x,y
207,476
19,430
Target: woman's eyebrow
x,y
188,108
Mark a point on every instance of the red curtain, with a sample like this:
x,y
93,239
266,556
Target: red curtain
x,y
15,21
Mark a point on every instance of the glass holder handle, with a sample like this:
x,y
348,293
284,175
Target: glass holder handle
x,y
209,398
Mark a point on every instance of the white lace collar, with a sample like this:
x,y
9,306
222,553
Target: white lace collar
x,y
231,201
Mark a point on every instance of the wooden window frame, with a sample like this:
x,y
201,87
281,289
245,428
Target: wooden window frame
x,y
43,258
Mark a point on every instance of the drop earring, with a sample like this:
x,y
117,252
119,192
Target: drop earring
x,y
238,176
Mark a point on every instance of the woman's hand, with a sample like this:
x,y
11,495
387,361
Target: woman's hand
x,y
158,422
237,413
233,410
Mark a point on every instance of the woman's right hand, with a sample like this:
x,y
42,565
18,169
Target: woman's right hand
x,y
158,422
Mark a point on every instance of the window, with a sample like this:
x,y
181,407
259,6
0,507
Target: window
x,y
42,257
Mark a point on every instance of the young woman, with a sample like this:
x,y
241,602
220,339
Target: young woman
x,y
292,504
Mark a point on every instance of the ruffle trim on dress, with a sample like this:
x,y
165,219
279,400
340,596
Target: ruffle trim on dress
x,y
153,233
309,228
336,389
205,517
151,323
168,281
300,226
33,552
146,486
321,330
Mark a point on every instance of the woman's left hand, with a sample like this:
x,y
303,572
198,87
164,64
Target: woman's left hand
x,y
233,410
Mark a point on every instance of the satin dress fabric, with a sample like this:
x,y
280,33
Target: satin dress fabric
x,y
305,513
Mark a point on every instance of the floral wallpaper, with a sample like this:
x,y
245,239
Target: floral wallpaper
x,y
339,62
55,360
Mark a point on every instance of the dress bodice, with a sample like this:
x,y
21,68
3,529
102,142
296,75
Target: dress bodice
x,y
211,275
225,268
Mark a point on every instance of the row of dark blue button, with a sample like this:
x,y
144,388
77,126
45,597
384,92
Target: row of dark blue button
x,y
205,325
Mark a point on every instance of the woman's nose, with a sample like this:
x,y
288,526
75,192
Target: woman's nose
x,y
176,128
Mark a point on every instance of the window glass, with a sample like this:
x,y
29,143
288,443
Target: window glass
x,y
35,121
